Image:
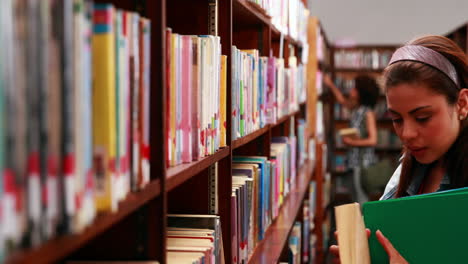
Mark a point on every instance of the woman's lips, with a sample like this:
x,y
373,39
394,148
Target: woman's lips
x,y
417,151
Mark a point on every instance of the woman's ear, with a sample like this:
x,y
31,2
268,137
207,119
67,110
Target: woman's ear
x,y
462,103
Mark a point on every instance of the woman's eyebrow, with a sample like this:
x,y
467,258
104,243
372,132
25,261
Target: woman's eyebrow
x,y
419,108
410,112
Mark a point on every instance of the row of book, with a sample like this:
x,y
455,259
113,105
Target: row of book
x,y
74,119
301,242
290,17
259,187
195,97
263,90
194,239
358,58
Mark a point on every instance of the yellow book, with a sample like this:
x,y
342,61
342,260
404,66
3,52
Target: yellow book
x,y
173,98
104,112
222,119
352,238
351,131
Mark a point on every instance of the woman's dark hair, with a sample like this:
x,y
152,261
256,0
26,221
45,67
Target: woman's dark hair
x,y
456,159
368,90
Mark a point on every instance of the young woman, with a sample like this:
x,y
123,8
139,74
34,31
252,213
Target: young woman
x,y
427,97
361,101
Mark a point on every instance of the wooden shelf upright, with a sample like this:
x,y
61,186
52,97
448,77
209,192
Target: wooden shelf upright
x,y
137,230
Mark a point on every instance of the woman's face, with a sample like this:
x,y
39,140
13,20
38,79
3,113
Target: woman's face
x,y
425,122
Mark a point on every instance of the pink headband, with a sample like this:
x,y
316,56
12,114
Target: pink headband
x,y
427,56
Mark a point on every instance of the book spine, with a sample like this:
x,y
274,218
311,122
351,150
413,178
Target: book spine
x,y
104,136
196,97
222,97
34,112
88,205
145,115
167,110
186,76
53,119
125,103
135,109
116,182
173,101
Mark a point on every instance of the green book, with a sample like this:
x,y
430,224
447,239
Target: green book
x,y
429,228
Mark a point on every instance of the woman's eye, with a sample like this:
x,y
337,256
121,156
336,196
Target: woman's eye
x,y
397,120
423,119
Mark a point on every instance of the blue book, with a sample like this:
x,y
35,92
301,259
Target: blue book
x,y
262,190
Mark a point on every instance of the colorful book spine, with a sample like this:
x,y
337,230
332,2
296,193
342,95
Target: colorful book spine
x,y
2,136
88,208
104,111
187,98
196,98
125,104
168,71
222,103
119,109
145,57
173,100
135,101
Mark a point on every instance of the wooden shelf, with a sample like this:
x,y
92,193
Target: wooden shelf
x,y
179,174
59,248
245,14
276,236
358,70
247,138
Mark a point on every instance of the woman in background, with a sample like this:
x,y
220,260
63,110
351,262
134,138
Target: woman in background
x,y
361,102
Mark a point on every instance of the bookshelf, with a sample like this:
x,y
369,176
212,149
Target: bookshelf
x,y
137,229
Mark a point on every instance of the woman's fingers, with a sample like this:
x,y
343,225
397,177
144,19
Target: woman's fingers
x,y
393,255
335,251
386,244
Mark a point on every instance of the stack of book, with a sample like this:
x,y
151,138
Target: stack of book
x,y
290,17
74,119
194,239
195,97
259,187
263,90
367,59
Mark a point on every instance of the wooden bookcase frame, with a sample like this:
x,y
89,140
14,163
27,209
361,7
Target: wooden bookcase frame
x,y
137,230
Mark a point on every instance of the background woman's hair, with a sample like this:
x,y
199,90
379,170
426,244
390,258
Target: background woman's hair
x,y
456,159
368,90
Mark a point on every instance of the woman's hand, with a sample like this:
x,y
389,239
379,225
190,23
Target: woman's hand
x,y
335,250
348,141
393,256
